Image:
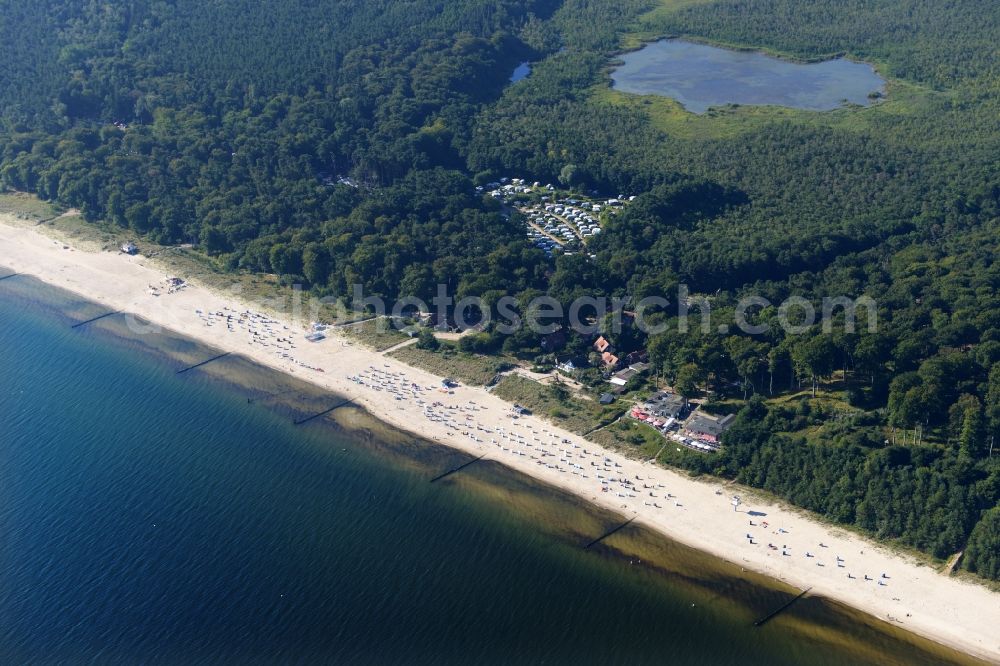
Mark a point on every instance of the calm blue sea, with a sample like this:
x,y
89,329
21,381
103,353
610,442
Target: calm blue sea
x,y
148,517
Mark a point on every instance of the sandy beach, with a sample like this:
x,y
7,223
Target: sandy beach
x,y
760,536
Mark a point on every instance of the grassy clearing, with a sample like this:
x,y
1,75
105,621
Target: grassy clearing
x,y
91,236
557,404
669,116
68,226
647,28
27,206
631,438
642,442
466,368
378,334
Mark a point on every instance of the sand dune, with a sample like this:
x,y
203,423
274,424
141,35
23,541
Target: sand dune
x,y
699,513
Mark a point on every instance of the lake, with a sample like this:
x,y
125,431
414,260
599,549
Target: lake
x,y
153,517
520,72
701,76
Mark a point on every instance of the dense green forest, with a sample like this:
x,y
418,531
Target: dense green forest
x,y
339,142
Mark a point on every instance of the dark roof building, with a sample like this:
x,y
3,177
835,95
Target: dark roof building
x,y
637,357
707,427
665,405
621,378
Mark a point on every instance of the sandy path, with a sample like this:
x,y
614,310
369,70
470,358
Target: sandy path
x,y
961,614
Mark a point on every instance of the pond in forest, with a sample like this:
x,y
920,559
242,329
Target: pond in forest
x,y
520,72
701,76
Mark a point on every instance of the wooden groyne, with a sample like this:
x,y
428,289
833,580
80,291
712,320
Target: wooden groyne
x,y
340,404
457,469
9,276
268,396
782,608
106,314
205,362
609,533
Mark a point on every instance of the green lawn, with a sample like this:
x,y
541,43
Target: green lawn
x,y
378,334
633,439
466,368
574,414
27,206
904,99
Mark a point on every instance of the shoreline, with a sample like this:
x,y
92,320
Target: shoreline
x,y
950,611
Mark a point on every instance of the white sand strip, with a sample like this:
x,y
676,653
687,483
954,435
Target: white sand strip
x,y
960,614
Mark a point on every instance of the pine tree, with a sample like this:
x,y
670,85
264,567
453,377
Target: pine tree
x,y
971,439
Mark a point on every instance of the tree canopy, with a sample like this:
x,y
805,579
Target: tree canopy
x,y
339,142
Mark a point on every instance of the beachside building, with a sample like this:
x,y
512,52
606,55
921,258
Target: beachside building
x,y
622,377
665,405
707,428
662,410
609,360
568,366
